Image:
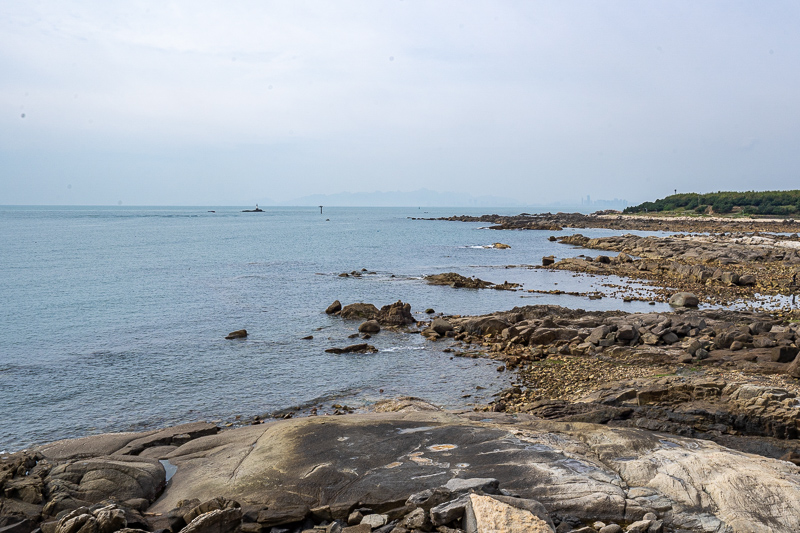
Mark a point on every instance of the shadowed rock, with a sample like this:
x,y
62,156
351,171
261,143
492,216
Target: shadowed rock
x,y
238,334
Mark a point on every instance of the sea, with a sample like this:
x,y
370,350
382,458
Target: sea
x,y
114,318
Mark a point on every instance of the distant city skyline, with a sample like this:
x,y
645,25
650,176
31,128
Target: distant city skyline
x,y
209,103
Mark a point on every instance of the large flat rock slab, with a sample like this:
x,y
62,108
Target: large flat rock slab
x,y
590,471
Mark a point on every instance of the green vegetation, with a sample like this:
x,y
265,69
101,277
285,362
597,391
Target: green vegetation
x,y
778,203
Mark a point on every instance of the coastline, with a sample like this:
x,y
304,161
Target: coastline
x,y
686,387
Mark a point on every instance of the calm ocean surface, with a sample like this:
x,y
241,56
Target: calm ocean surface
x,y
114,318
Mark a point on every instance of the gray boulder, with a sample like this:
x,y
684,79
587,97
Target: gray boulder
x,y
684,299
747,280
447,512
485,513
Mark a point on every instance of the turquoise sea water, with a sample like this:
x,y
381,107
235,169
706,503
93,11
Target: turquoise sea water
x,y
114,318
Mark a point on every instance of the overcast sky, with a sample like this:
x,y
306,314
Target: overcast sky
x,y
225,103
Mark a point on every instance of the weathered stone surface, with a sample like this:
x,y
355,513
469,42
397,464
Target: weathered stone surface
x,y
532,506
215,504
484,514
684,299
360,528
445,513
172,436
458,485
283,508
640,526
794,368
395,315
106,519
216,521
359,310
375,520
378,460
96,479
334,308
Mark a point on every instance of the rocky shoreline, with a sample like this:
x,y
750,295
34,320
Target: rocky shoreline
x,y
644,422
617,422
720,268
615,220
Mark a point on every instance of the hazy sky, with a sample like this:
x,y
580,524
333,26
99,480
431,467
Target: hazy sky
x,y
214,103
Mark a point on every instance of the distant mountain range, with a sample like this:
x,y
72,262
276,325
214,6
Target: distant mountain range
x,y
418,198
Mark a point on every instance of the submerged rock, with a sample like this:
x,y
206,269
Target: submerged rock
x,y
238,334
354,348
458,281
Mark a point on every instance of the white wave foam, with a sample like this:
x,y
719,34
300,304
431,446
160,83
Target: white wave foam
x,y
402,348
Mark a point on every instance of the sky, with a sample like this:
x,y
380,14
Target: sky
x,y
230,103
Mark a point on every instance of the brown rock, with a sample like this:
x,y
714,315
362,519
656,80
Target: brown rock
x,y
354,348
441,326
396,314
370,326
458,281
359,310
216,521
360,528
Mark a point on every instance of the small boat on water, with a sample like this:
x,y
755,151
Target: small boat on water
x,y
256,210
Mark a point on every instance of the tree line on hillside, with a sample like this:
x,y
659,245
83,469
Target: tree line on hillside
x,y
782,203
